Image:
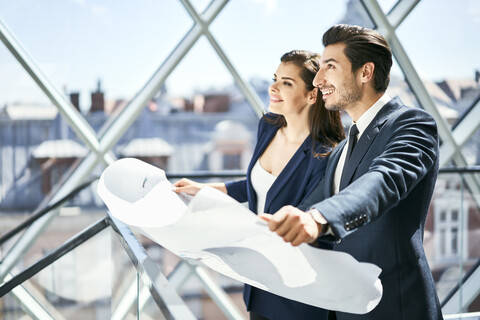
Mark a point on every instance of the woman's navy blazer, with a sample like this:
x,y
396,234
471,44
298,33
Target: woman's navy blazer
x,y
299,177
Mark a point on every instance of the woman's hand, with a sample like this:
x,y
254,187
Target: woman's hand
x,y
188,186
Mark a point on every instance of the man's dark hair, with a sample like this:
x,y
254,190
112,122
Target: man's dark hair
x,y
363,45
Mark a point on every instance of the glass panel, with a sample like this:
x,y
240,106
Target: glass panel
x,y
273,28
471,149
399,87
451,234
85,47
125,285
76,286
194,120
10,309
192,292
455,84
387,5
148,308
200,5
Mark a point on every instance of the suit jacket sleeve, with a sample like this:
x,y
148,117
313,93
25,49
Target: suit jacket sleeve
x,y
410,151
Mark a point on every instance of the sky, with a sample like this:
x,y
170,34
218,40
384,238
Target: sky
x,y
77,42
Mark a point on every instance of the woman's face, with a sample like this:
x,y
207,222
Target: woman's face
x,y
288,94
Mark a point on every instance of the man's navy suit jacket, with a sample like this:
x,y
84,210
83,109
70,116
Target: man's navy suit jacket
x,y
379,217
297,180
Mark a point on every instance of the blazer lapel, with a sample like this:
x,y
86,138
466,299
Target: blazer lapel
x,y
331,167
366,139
263,143
284,176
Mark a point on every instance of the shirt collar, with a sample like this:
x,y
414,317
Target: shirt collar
x,y
367,117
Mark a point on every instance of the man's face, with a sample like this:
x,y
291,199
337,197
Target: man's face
x,y
339,86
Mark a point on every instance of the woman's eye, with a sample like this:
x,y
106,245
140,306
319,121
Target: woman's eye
x,y
274,79
287,83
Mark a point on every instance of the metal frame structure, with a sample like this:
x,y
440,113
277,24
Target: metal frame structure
x,y
451,146
112,131
162,292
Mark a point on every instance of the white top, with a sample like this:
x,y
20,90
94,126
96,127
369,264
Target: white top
x,y
262,180
362,124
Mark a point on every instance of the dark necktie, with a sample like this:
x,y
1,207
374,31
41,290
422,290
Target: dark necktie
x,y
352,141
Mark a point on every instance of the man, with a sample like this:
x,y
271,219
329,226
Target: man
x,y
376,196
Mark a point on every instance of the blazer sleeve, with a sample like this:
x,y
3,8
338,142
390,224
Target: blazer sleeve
x,y
410,152
237,190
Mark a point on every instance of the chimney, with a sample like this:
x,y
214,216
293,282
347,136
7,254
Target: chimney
x,y
98,102
75,100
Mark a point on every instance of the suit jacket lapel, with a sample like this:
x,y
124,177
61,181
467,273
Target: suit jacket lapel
x,y
331,167
366,139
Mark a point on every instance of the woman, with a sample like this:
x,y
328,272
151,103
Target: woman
x,y
293,141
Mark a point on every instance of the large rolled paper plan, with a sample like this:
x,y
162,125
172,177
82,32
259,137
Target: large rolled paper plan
x,y
216,231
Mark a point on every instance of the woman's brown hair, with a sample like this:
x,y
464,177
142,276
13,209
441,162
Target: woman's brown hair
x,y
326,127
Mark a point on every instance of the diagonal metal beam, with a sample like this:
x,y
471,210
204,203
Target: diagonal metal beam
x,y
464,293
28,238
425,100
29,304
417,87
50,258
462,133
76,121
111,134
78,124
184,270
400,11
112,131
166,298
247,90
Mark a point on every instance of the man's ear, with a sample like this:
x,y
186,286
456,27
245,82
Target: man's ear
x,y
366,73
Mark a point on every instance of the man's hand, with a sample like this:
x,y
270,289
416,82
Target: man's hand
x,y
293,225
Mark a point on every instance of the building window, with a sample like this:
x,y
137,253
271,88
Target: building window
x,y
448,227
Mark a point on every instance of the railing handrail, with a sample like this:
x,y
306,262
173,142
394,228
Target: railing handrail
x,y
161,291
469,169
207,174
34,217
460,283
50,258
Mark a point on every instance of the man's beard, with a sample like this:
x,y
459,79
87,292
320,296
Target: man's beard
x,y
351,94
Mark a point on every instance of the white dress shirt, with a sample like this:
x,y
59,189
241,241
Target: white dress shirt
x,y
362,124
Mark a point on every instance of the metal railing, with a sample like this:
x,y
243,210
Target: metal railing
x,y
161,289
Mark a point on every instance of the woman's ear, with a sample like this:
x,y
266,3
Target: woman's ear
x,y
312,96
